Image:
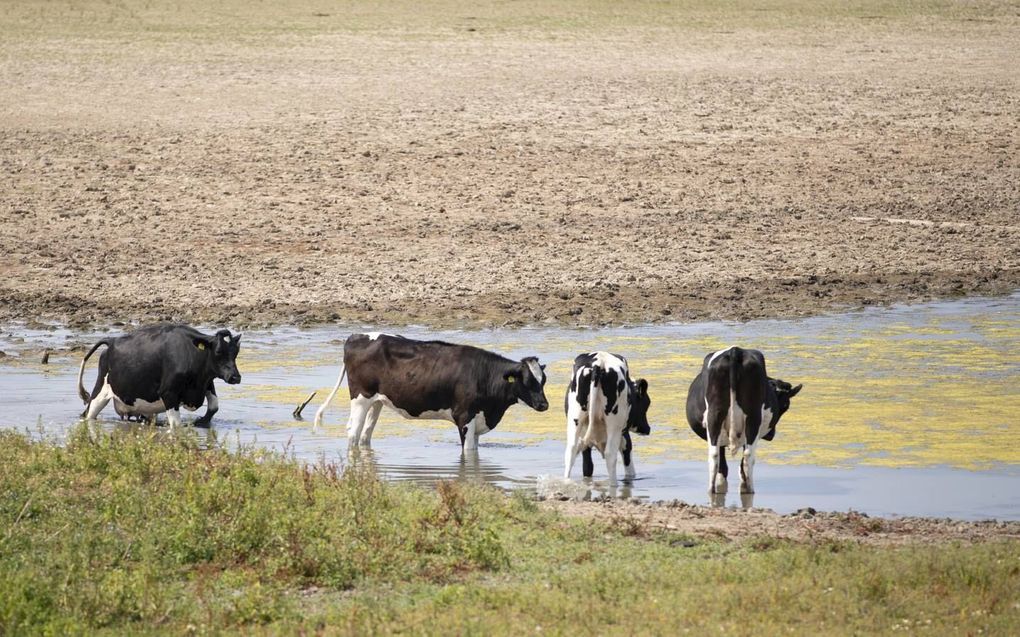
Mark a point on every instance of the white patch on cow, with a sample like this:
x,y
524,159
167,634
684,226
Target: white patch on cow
x,y
481,427
173,418
475,428
226,338
718,354
374,335
747,469
536,371
370,421
766,422
143,407
714,477
439,414
212,401
139,408
102,398
359,411
735,425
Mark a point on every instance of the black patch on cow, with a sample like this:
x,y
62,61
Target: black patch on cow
x,y
587,465
607,380
584,390
626,448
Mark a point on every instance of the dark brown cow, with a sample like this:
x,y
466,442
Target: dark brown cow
x,y
466,385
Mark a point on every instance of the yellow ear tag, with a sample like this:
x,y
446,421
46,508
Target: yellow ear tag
x,y
510,379
201,346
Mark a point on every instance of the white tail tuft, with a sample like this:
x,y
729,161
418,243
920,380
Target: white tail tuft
x,y
322,409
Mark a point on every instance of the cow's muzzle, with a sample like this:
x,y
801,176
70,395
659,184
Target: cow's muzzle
x,y
234,379
541,405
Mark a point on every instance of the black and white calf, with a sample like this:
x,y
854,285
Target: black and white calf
x,y
733,402
468,386
604,406
161,368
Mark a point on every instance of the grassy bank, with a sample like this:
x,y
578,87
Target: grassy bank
x,y
140,533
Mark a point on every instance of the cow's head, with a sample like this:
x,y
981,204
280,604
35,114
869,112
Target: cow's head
x,y
224,347
637,419
528,383
784,392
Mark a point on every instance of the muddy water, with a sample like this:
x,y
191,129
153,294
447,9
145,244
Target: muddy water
x,y
909,410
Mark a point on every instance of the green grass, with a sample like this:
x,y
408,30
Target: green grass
x,y
136,532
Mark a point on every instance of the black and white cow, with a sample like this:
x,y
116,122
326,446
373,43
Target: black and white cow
x,y
161,368
733,402
468,386
604,406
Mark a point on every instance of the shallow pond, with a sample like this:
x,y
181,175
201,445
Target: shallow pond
x,y
909,410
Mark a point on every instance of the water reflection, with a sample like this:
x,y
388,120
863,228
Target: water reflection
x,y
718,501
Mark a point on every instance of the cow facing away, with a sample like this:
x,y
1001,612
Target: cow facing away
x,y
604,406
161,368
468,386
733,402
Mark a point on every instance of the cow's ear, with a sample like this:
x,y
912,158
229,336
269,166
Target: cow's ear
x,y
203,343
793,392
512,376
542,367
642,385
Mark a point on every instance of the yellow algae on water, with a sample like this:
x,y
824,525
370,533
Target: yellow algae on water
x,y
917,388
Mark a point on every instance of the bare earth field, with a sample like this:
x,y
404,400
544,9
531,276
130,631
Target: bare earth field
x,y
503,163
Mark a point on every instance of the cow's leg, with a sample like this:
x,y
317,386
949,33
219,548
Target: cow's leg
x,y
212,405
173,418
613,438
359,412
172,400
102,392
753,428
713,425
626,451
747,470
575,422
587,464
713,468
101,397
371,418
722,482
471,430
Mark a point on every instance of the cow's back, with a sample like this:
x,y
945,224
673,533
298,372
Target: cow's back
x,y
418,374
137,362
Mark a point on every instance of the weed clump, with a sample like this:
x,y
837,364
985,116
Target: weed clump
x,y
110,529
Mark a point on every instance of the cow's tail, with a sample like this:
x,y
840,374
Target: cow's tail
x,y
84,395
336,388
596,379
736,423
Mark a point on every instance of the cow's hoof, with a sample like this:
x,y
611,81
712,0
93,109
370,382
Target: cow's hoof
x,y
202,424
